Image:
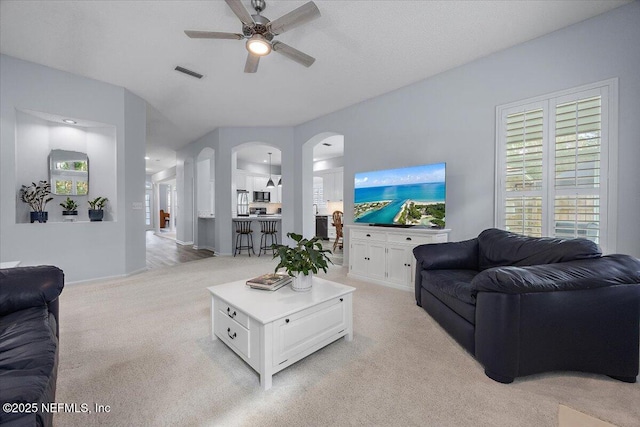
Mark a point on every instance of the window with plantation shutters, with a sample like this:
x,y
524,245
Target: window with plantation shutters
x,y
578,149
523,172
553,157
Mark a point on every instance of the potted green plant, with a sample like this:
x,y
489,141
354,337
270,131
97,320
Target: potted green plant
x,y
302,260
69,209
96,211
37,197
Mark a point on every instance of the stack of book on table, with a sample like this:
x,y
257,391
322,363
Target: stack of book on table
x,y
270,281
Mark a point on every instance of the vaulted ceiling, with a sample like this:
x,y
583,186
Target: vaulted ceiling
x,y
362,49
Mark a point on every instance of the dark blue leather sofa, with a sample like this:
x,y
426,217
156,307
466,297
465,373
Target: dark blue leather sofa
x,y
524,305
28,343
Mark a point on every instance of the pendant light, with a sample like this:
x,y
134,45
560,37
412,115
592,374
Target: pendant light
x,y
270,183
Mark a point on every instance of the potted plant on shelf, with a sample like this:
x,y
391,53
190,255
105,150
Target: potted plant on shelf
x,y
70,209
37,197
302,260
96,211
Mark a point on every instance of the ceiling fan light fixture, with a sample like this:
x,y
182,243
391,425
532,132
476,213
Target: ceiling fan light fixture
x,y
258,45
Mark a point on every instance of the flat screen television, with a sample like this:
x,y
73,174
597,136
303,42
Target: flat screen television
x,y
405,197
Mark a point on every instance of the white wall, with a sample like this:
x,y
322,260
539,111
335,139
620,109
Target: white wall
x,y
83,250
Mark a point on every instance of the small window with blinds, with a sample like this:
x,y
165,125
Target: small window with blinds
x,y
552,164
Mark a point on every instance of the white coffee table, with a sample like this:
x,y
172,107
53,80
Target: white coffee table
x,y
271,330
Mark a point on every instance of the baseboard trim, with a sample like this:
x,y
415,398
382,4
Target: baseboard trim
x,y
379,282
100,279
180,242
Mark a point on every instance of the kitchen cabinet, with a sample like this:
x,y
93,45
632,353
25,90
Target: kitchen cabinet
x,y
241,180
332,185
260,183
251,183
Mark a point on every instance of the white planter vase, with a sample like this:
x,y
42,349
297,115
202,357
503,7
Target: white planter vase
x,y
302,283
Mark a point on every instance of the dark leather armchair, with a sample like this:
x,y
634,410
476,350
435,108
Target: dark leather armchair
x,y
525,305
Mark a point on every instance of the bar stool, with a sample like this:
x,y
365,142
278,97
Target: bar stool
x,y
243,228
269,229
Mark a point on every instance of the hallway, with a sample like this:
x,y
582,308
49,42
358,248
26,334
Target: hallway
x,y
165,252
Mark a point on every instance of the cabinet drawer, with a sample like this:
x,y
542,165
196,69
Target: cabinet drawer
x,y
368,235
236,336
412,239
233,313
301,331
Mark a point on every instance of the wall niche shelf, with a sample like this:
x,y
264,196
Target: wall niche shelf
x,y
41,140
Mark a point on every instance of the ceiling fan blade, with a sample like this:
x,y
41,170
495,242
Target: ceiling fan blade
x,y
251,66
213,35
299,16
240,11
294,54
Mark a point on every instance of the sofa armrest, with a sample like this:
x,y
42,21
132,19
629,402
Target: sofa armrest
x,y
447,256
25,287
564,276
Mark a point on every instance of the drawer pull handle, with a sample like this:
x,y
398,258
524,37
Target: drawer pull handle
x,y
341,300
286,320
232,315
408,238
368,235
229,333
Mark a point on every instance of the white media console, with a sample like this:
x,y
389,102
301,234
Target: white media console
x,y
384,255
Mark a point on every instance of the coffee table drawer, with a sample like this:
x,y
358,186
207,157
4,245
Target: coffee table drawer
x,y
235,314
236,336
297,333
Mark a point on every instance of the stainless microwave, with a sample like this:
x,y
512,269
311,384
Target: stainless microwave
x,y
261,196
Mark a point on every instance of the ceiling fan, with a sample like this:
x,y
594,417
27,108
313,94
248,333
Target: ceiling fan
x,y
260,31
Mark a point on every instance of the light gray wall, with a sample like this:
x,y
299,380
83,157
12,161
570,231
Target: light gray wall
x,y
260,168
132,184
83,250
451,118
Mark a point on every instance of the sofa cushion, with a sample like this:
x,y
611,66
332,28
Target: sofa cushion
x,y
25,287
498,248
567,276
448,256
28,357
455,283
465,310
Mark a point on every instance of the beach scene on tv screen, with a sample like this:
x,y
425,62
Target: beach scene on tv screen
x,y
412,196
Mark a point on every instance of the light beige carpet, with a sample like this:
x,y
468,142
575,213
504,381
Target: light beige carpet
x,y
141,345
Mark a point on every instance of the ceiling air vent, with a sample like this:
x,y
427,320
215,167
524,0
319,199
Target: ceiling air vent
x,y
189,72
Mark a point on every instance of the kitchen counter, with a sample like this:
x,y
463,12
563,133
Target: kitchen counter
x,y
259,217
